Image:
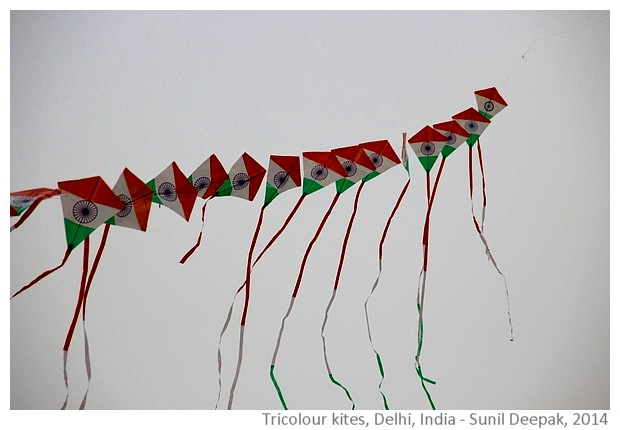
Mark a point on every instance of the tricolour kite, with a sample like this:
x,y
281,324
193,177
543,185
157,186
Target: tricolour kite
x,y
23,203
207,179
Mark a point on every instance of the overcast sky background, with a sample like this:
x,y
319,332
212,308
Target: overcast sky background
x,y
94,92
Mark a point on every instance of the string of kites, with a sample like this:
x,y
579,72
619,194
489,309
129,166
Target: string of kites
x,y
89,203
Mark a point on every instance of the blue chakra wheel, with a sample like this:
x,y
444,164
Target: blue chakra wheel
x,y
377,159
319,172
280,178
240,181
21,200
451,139
427,148
350,167
128,206
202,183
471,126
85,211
167,191
489,106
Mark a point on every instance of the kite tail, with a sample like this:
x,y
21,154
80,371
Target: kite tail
x,y
248,272
422,287
374,287
479,229
484,186
275,354
239,360
197,244
64,369
329,371
44,274
87,363
76,314
294,295
336,283
418,366
91,276
219,349
225,326
345,242
312,242
490,256
279,232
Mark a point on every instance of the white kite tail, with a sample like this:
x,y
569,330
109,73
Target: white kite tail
x,y
372,345
480,227
219,348
376,284
231,395
64,371
329,370
490,256
87,363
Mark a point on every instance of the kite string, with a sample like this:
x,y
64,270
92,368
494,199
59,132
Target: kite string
x,y
538,39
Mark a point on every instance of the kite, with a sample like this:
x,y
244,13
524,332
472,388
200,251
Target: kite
x,y
207,179
405,164
23,203
319,162
427,144
172,190
382,157
354,165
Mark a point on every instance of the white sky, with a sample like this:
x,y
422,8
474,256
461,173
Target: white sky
x,y
94,92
